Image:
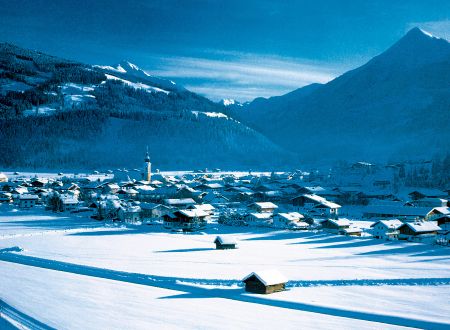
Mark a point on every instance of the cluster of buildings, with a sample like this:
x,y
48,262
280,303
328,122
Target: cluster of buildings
x,y
188,201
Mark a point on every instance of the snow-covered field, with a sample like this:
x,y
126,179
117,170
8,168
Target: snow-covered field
x,y
70,271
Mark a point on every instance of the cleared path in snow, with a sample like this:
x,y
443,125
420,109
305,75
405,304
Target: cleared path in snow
x,y
191,289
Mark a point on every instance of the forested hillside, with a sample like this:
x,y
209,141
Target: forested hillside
x,y
62,114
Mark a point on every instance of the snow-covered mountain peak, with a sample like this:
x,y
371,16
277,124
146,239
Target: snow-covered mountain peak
x,y
416,48
132,69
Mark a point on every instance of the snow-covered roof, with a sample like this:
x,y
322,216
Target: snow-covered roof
x,y
225,240
322,201
28,196
268,277
204,207
292,216
261,216
351,230
391,224
176,201
193,213
396,210
340,222
442,210
423,226
266,205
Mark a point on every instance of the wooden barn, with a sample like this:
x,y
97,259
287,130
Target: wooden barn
x,y
225,243
265,282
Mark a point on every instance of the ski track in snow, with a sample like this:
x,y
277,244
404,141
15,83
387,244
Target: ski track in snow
x,y
228,289
16,319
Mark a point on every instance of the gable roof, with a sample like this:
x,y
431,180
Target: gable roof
x,y
265,205
267,277
225,240
422,227
390,224
292,216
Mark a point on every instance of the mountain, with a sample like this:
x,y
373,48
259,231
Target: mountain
x,y
60,114
395,107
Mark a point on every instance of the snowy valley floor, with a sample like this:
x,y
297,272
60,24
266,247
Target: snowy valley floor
x,y
72,272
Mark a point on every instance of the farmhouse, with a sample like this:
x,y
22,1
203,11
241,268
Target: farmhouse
x,y
395,211
413,229
386,229
265,282
315,204
68,202
335,226
187,220
179,203
258,219
27,201
437,212
150,211
130,214
288,220
225,242
263,207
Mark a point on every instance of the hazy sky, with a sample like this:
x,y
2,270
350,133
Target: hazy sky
x,y
222,49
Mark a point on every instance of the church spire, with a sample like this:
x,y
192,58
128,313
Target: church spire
x,y
147,157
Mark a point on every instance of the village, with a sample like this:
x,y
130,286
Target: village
x,y
367,202
305,242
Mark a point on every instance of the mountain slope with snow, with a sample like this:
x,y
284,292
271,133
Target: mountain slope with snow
x,y
70,115
394,107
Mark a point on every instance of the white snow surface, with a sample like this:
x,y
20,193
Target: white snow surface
x,y
71,271
146,87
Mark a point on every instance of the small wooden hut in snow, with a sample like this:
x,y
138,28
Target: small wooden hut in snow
x,y
224,243
265,282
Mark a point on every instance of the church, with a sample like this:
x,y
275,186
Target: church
x,y
135,174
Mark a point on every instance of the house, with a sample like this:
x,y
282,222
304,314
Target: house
x,y
179,203
351,231
207,208
288,220
258,219
263,207
187,220
443,221
426,192
27,201
225,242
334,225
39,183
405,213
437,212
129,214
151,212
215,198
68,202
315,205
265,282
386,229
410,230
430,202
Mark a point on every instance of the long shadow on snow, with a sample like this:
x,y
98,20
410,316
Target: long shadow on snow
x,y
412,249
186,285
280,236
361,242
186,250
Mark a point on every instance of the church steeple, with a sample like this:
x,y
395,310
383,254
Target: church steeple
x,y
147,175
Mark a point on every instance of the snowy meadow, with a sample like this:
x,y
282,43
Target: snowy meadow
x,y
70,271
